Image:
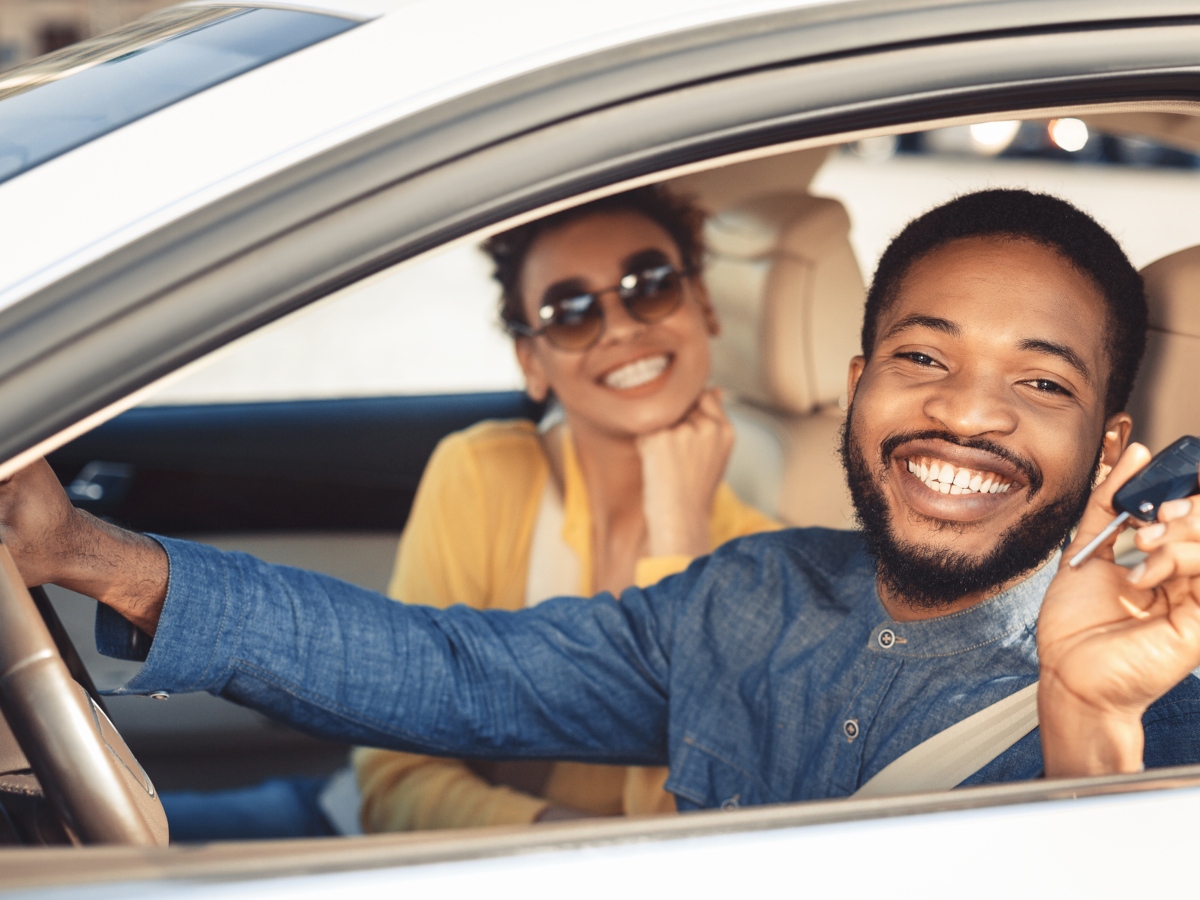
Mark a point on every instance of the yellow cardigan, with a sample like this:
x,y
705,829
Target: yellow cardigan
x,y
468,540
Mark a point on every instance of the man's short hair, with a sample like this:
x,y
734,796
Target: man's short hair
x,y
1022,215
676,215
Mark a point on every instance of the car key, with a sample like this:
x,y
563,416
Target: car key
x,y
1169,476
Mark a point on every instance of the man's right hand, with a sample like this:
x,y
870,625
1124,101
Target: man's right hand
x,y
52,542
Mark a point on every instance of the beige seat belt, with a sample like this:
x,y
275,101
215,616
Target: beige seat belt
x,y
553,566
951,756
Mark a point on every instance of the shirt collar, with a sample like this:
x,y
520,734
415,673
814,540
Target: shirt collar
x,y
1008,614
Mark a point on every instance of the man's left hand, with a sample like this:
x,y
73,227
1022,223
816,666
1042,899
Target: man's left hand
x,y
1111,641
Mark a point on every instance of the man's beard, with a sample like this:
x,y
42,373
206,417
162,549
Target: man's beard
x,y
930,577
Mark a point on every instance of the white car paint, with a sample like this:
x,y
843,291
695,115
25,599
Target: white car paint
x,y
60,216
1132,845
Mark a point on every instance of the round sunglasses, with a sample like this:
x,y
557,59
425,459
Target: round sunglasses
x,y
576,321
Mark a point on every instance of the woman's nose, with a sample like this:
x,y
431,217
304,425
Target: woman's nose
x,y
969,404
619,325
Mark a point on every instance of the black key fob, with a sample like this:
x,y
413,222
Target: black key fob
x,y
1169,476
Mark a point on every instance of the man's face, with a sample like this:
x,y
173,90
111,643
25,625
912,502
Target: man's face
x,y
977,424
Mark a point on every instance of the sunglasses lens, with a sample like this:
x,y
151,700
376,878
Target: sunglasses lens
x,y
573,323
653,294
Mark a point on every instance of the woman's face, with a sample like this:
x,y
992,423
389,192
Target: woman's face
x,y
637,378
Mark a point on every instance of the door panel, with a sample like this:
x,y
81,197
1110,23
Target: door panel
x,y
309,465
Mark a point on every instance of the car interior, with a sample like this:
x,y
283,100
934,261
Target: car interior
x,y
326,481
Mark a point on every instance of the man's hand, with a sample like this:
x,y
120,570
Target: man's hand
x,y
54,543
1111,641
682,467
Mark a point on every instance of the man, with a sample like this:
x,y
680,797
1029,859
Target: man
x,y
1001,338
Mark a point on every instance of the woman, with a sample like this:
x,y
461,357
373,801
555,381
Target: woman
x,y
612,323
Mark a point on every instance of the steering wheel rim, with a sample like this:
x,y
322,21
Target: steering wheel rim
x,y
84,767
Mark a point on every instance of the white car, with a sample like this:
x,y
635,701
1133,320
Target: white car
x,y
178,186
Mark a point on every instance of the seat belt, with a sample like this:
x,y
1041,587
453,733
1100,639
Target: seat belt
x,y
553,566
951,756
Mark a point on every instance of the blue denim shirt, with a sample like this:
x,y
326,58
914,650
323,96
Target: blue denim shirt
x,y
766,672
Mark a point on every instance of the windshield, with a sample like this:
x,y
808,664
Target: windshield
x,y
62,101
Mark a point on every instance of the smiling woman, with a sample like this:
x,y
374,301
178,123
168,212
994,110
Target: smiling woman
x,y
620,485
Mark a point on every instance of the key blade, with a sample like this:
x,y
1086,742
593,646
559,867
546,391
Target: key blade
x,y
1082,556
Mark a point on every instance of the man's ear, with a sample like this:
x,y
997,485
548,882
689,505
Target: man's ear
x,y
857,365
537,385
1116,439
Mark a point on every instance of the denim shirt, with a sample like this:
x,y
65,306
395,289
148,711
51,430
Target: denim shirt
x,y
766,672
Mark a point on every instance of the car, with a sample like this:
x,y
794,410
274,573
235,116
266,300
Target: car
x,y
200,192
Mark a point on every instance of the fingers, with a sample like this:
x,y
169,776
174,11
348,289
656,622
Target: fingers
x,y
1099,512
1167,563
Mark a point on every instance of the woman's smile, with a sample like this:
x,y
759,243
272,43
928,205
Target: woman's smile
x,y
645,372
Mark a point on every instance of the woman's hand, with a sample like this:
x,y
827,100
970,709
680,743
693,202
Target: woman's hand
x,y
682,466
1111,641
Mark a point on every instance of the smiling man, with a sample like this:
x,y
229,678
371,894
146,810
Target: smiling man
x,y
1001,338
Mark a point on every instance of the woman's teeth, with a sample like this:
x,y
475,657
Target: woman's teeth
x,y
947,479
637,373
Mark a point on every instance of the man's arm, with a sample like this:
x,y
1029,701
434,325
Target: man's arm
x,y
572,679
1111,641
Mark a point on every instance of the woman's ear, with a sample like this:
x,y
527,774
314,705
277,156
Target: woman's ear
x,y
711,320
537,385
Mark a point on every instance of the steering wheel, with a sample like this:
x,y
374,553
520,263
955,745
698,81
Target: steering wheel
x,y
88,773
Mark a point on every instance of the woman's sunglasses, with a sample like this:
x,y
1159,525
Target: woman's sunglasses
x,y
576,321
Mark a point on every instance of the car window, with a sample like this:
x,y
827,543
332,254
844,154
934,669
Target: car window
x,y
64,100
429,327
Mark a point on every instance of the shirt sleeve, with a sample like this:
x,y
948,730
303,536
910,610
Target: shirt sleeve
x,y
572,678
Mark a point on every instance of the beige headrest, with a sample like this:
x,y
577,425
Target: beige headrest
x,y
1166,400
788,291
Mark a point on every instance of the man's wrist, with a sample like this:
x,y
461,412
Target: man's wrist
x,y
122,569
1080,739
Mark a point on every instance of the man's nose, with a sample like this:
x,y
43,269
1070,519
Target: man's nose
x,y
972,403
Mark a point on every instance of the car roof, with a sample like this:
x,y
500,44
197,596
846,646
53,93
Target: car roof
x,y
413,55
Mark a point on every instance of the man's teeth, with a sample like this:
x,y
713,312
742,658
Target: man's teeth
x,y
637,372
945,478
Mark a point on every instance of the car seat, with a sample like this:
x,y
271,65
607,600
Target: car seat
x,y
788,291
1165,403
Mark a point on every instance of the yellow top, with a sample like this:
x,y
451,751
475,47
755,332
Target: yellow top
x,y
468,540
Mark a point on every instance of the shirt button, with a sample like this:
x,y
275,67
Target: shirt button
x,y
886,638
731,803
850,726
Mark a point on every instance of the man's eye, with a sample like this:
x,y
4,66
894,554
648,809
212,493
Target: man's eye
x,y
1049,387
921,359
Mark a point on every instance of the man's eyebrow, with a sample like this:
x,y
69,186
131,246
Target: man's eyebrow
x,y
1063,352
918,321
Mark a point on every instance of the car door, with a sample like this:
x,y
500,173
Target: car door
x,y
760,84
